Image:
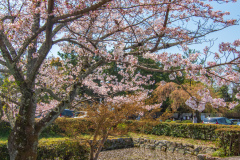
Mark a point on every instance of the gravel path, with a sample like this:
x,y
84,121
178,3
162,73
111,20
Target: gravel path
x,y
142,154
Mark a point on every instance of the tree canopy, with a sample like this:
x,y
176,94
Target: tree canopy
x,y
101,32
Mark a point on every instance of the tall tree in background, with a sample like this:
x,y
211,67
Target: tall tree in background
x,y
30,28
178,94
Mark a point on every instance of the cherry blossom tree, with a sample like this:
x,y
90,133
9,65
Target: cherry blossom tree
x,y
100,32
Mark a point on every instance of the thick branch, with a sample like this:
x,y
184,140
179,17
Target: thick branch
x,y
8,45
28,41
8,17
41,90
3,63
86,10
5,53
164,27
74,42
4,71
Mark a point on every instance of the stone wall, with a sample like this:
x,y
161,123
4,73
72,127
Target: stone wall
x,y
119,143
162,145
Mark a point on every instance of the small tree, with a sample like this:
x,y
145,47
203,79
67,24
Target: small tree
x,y
105,117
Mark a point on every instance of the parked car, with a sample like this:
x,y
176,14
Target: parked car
x,y
217,120
67,113
235,121
80,114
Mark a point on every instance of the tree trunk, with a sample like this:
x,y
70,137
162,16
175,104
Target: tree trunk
x,y
198,114
23,139
22,143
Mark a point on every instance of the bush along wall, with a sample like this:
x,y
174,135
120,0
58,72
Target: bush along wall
x,y
185,130
60,148
229,140
195,131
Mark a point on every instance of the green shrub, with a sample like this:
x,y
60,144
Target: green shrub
x,y
218,153
60,148
178,121
186,121
74,126
229,140
168,120
185,130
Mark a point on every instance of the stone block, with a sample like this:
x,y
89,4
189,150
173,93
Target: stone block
x,y
201,157
164,148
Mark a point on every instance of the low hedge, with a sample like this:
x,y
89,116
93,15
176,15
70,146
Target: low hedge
x,y
228,136
72,126
229,140
60,148
185,130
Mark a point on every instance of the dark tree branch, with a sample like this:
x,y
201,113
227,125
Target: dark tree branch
x,y
3,63
8,17
4,71
164,27
41,90
8,45
78,13
74,42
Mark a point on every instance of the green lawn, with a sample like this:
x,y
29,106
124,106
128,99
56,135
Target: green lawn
x,y
3,139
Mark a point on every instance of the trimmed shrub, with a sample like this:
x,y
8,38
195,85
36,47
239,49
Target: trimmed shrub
x,y
229,140
74,126
60,148
178,121
186,121
185,130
